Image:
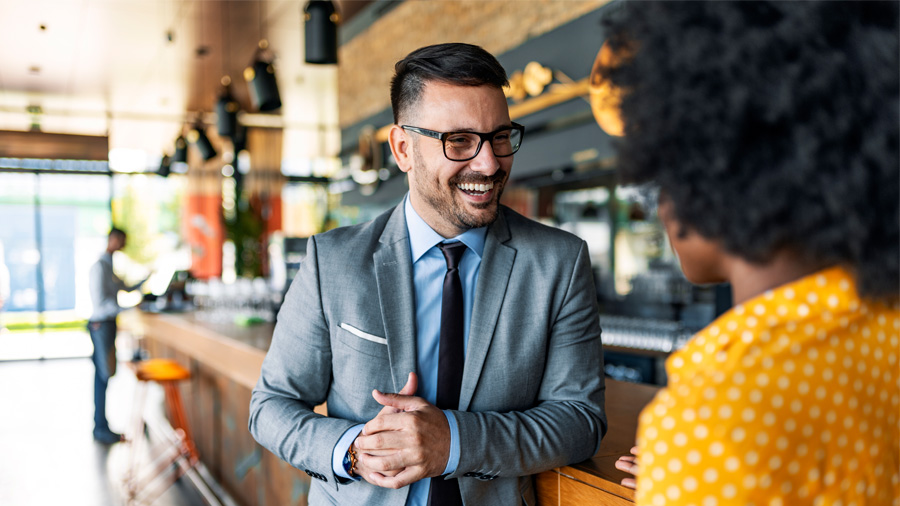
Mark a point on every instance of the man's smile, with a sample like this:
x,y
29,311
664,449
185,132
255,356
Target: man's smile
x,y
476,189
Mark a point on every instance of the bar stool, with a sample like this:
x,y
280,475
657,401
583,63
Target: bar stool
x,y
176,448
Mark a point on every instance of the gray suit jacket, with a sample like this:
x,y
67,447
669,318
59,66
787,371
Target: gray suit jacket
x,y
532,391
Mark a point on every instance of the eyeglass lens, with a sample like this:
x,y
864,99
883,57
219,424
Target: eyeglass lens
x,y
464,145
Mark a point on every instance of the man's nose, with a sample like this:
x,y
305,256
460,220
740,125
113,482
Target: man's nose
x,y
485,162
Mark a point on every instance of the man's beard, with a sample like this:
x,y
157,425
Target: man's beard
x,y
446,201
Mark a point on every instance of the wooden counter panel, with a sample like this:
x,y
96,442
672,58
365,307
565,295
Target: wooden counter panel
x,y
575,492
217,401
205,412
624,402
603,475
283,484
596,480
547,488
554,489
241,456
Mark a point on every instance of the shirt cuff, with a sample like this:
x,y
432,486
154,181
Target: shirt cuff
x,y
340,449
453,461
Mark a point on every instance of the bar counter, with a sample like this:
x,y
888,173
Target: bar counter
x,y
225,361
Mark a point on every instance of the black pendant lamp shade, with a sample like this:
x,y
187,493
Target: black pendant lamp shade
x,y
180,150
260,77
239,140
321,32
226,111
165,166
198,138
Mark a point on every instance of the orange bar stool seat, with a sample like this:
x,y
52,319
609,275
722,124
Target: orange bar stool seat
x,y
178,448
161,369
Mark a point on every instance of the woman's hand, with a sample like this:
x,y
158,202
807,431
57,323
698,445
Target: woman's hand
x,y
629,464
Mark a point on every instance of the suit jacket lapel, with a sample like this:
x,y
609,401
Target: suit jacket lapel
x,y
393,273
493,278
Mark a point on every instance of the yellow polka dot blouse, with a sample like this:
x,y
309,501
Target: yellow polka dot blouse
x,y
790,398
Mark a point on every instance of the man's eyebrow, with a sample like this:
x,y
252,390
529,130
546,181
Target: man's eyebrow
x,y
470,130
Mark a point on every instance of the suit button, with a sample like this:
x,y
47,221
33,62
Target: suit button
x,y
470,475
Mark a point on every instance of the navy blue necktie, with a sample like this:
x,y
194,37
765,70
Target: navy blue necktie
x,y
451,359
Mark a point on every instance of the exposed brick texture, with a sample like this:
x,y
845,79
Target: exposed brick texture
x,y
367,62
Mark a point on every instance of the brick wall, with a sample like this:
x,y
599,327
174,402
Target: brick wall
x,y
367,61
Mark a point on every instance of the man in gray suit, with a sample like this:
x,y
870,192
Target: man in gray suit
x,y
485,323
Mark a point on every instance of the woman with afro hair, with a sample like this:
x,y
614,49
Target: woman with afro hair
x,y
771,131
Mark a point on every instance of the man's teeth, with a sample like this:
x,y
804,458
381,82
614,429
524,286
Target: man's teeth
x,y
471,187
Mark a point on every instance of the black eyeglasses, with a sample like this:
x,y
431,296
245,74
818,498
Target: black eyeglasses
x,y
463,146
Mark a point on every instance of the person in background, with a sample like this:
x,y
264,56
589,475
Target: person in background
x,y
105,286
485,322
771,131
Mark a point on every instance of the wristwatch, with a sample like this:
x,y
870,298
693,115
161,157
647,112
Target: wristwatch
x,y
350,460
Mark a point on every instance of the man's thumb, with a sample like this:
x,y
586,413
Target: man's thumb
x,y
412,384
397,401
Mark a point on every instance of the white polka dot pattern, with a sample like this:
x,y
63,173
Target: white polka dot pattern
x,y
790,398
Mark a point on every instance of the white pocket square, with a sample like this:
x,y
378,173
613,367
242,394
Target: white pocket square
x,y
365,335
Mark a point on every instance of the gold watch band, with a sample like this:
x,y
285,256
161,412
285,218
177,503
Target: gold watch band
x,y
353,460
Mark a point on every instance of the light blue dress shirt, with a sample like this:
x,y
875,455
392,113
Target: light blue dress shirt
x,y
429,267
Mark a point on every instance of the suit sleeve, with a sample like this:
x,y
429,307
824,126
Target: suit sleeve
x,y
295,377
568,420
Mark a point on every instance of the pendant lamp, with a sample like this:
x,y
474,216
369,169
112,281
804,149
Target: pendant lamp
x,y
226,110
606,99
320,29
180,150
165,166
198,138
260,77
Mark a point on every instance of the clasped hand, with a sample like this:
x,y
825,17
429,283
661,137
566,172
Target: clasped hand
x,y
409,440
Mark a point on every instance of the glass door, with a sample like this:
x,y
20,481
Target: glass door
x,y
74,223
20,314
54,229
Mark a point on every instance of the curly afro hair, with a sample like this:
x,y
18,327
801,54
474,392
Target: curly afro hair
x,y
771,126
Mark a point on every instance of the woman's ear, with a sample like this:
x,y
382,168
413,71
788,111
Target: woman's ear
x,y
401,148
702,260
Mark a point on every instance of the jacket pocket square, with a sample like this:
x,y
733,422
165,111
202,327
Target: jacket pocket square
x,y
364,335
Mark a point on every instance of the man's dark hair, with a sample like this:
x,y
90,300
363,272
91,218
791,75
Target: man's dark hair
x,y
771,126
117,232
451,63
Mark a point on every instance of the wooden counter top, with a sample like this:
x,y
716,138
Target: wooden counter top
x,y
236,353
624,402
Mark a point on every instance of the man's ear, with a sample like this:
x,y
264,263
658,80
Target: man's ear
x,y
401,147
